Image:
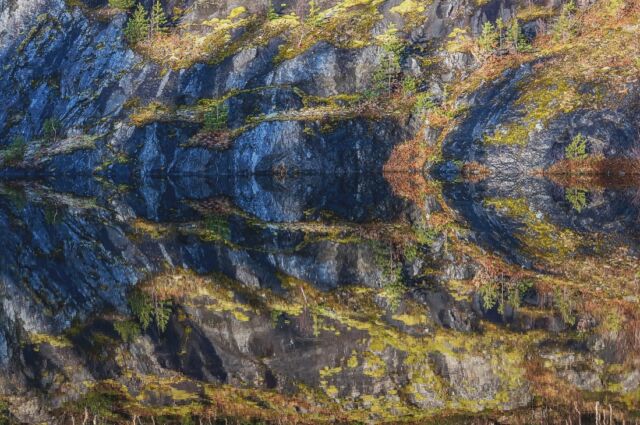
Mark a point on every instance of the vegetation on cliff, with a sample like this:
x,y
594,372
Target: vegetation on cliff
x,y
190,347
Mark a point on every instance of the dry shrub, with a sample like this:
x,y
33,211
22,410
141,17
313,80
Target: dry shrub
x,y
475,172
218,140
175,286
403,170
549,387
495,268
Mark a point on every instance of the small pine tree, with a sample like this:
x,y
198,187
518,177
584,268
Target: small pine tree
x,y
514,34
516,38
138,25
577,198
158,20
488,40
500,29
51,129
386,75
565,25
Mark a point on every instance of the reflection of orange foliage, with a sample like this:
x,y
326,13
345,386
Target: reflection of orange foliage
x,y
404,168
549,387
408,156
595,172
409,185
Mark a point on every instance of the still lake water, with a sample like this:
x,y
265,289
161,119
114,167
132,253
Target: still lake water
x,y
318,297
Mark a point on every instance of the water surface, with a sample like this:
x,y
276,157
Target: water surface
x,y
318,298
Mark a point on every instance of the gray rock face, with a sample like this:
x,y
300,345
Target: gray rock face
x,y
631,382
271,146
585,380
327,71
69,69
81,72
472,378
17,15
609,132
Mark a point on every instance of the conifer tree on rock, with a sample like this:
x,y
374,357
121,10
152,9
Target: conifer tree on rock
x,y
138,26
158,21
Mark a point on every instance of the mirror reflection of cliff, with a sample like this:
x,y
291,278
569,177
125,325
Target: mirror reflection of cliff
x,y
298,297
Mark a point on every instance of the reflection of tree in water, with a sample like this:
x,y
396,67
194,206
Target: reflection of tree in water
x,y
149,308
306,319
577,198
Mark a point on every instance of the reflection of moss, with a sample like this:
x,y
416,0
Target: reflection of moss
x,y
613,321
539,237
384,346
424,234
217,228
52,340
534,12
154,111
393,287
502,292
489,294
181,284
353,362
107,400
151,229
4,414
128,330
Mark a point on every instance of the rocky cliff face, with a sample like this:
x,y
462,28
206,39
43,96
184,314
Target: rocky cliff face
x,y
234,289
285,84
72,65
